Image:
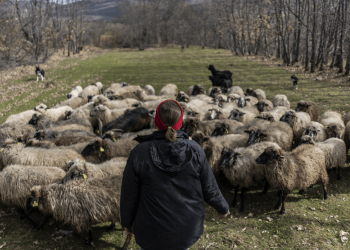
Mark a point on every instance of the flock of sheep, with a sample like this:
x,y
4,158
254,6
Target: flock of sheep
x,y
68,161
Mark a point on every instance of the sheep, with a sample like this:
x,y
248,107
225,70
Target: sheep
x,y
18,132
74,103
149,90
191,125
278,132
89,90
276,113
347,119
248,101
17,180
226,74
334,150
126,103
83,170
65,138
213,147
299,169
241,170
264,105
75,92
142,96
198,90
82,203
236,90
132,121
123,96
233,98
107,115
297,121
225,127
266,116
115,86
222,83
194,111
333,124
169,89
41,122
99,85
308,107
57,114
244,115
182,97
82,112
280,100
189,90
116,134
218,113
21,118
14,153
99,151
316,131
40,106
213,92
258,93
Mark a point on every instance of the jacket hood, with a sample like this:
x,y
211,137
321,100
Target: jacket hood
x,y
169,156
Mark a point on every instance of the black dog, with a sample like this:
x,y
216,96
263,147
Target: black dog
x,y
39,72
295,81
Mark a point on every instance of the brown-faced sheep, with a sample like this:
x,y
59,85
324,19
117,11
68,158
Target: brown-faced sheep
x,y
213,147
14,153
334,150
258,93
308,107
191,125
41,122
241,170
333,124
289,171
169,89
82,203
281,100
74,103
297,121
278,132
85,170
17,180
316,131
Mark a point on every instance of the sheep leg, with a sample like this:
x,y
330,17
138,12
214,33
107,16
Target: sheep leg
x,y
325,194
266,188
128,238
111,227
241,210
339,176
24,216
279,194
283,209
233,204
40,226
90,240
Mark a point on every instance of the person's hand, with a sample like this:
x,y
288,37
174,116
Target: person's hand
x,y
222,216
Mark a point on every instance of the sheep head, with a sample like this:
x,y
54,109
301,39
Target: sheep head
x,y
182,97
334,130
255,135
219,101
311,131
261,106
40,106
221,128
197,90
93,147
249,91
35,119
242,101
302,106
36,193
269,154
113,134
78,171
306,139
39,135
215,113
266,117
236,115
89,97
190,125
214,92
192,113
98,111
289,117
200,138
67,114
228,158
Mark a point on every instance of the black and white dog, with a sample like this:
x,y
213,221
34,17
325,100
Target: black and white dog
x,y
39,73
295,81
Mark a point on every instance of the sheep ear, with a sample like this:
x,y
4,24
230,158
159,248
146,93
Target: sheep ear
x,y
266,105
326,126
238,153
206,139
241,113
117,130
247,131
247,99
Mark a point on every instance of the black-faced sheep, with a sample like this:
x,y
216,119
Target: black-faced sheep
x,y
226,127
264,105
334,150
191,125
169,89
182,97
281,100
21,118
297,121
244,115
316,131
89,90
214,91
241,170
333,124
308,107
258,93
289,171
213,147
198,90
248,101
75,92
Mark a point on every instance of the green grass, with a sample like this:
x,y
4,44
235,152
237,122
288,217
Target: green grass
x,y
241,231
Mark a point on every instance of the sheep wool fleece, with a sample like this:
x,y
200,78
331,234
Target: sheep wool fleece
x,y
163,192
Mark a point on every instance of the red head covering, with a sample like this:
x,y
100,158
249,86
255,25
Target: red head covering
x,y
158,122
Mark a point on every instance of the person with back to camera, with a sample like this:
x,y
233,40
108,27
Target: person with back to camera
x,y
166,180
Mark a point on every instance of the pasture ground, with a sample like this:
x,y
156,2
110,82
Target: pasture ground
x,y
310,222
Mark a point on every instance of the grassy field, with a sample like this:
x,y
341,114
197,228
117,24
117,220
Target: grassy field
x,y
310,222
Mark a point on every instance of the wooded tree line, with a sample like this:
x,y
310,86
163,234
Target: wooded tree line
x,y
311,32
31,30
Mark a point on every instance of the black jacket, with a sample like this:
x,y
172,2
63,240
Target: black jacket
x,y
163,192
